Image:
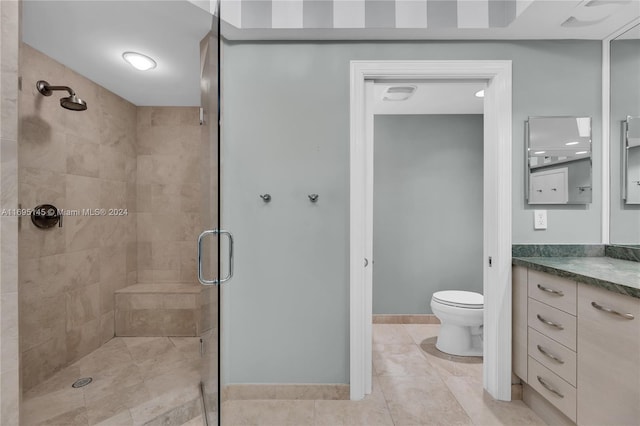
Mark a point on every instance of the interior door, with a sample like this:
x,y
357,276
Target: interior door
x,y
209,241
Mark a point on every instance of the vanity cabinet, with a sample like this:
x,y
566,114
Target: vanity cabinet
x,y
608,357
578,347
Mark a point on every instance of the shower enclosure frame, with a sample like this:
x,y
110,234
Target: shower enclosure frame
x,y
496,212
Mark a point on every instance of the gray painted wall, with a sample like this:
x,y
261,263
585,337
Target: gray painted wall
x,y
286,132
625,100
428,196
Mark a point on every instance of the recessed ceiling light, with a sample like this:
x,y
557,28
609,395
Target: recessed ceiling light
x,y
480,94
572,143
139,61
581,152
539,152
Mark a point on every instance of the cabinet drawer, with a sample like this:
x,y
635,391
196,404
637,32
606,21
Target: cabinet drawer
x,y
548,384
556,357
608,358
552,322
554,291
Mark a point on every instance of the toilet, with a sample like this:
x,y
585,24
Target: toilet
x,y
461,315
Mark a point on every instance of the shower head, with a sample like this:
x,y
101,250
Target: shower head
x,y
71,102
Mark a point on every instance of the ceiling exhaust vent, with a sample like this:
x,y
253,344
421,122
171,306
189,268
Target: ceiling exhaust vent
x,y
398,93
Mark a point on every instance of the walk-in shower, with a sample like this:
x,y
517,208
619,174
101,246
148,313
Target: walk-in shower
x,y
71,102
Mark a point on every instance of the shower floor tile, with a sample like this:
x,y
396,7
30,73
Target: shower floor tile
x,y
135,380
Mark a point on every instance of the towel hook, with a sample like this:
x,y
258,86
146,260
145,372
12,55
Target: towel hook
x,y
265,197
313,197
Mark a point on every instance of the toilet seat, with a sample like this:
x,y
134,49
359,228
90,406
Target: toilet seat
x,y
459,299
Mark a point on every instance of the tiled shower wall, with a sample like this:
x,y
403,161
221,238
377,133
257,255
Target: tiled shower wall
x,y
74,160
9,348
169,158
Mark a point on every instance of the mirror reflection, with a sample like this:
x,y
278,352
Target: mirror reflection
x,y
631,166
559,160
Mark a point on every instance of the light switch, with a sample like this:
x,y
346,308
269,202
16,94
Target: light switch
x,y
539,219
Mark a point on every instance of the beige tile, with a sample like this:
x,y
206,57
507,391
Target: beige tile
x,y
484,410
41,320
10,348
51,405
151,352
61,380
82,339
391,334
196,421
111,355
420,332
165,256
172,116
42,145
83,305
77,417
312,391
9,403
82,157
179,301
274,412
82,268
113,404
154,407
108,381
122,418
82,192
43,277
112,163
179,415
189,347
421,400
401,360
113,194
181,375
40,186
335,413
80,232
107,327
450,365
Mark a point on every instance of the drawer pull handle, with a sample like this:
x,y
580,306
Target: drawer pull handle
x,y
550,290
549,388
547,354
550,323
611,311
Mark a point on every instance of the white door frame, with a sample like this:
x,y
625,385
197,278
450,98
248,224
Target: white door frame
x,y
496,211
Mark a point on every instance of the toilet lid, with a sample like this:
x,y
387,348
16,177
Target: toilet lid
x,y
465,299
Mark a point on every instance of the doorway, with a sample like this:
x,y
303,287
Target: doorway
x,y
496,211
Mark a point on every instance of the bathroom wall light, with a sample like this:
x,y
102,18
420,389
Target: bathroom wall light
x,y
139,61
480,94
572,143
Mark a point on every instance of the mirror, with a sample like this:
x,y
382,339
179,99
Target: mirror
x,y
558,160
624,207
631,160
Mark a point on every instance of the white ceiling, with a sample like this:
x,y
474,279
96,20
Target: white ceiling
x,y
90,36
431,98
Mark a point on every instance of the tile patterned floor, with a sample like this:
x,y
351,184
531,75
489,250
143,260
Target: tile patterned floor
x,y
136,379
413,384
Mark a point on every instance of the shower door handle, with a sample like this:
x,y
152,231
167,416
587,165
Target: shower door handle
x,y
201,237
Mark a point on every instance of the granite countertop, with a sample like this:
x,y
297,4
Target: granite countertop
x,y
620,276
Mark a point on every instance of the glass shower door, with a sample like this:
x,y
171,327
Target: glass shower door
x,y
209,240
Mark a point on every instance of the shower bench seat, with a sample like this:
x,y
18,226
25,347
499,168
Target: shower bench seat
x,y
161,309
